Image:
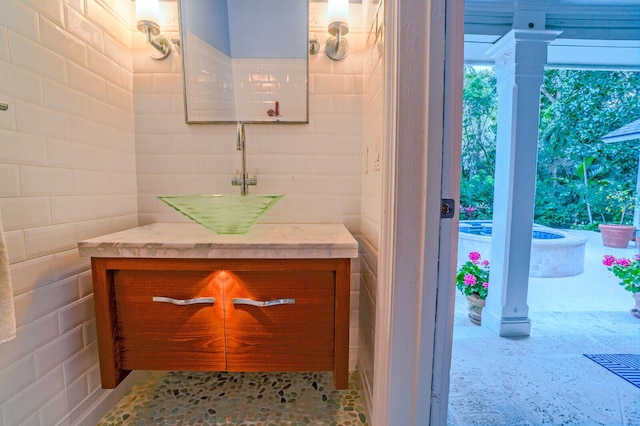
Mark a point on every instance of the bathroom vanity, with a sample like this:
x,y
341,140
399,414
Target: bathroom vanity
x,y
176,296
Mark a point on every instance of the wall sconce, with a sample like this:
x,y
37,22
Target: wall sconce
x,y
337,47
314,46
148,16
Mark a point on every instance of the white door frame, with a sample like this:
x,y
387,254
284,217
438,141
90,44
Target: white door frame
x,y
414,301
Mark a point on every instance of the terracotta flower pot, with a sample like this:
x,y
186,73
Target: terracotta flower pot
x,y
636,311
474,307
617,236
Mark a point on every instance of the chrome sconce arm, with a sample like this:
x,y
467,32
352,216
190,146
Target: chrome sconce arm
x,y
337,46
154,39
148,16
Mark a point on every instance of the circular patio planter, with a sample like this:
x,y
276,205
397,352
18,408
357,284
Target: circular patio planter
x,y
617,236
549,258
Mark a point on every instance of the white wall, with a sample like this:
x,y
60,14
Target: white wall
x,y
317,166
67,172
373,132
261,82
95,130
210,81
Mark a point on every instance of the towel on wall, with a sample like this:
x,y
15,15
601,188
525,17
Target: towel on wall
x,y
7,311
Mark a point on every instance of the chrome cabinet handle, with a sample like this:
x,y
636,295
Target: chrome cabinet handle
x,y
197,300
275,302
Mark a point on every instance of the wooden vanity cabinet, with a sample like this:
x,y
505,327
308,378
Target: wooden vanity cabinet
x,y
306,328
159,335
288,337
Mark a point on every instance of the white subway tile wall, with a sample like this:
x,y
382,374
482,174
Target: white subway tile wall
x,y
371,190
61,42
67,171
210,81
259,83
96,130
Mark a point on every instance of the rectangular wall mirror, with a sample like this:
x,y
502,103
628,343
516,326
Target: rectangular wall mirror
x,y
245,60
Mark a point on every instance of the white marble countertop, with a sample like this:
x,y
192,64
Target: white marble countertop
x,y
190,240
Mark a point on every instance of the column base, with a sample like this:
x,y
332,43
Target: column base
x,y
507,327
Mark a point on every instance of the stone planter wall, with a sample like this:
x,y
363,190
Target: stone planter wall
x,y
563,257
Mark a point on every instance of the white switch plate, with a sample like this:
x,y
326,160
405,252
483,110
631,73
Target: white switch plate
x,y
376,155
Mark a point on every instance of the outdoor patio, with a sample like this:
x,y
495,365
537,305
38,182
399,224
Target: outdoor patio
x,y
544,379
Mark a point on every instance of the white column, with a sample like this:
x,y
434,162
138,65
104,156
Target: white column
x,y
636,204
520,57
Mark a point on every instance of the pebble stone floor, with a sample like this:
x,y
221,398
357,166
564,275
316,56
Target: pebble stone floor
x,y
265,399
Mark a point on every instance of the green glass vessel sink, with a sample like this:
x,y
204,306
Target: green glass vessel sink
x,y
224,214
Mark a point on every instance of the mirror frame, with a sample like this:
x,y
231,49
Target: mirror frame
x,y
184,48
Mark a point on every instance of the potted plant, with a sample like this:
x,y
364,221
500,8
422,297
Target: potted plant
x,y
618,234
472,279
628,271
472,212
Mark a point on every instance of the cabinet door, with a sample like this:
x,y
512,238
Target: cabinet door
x,y
175,332
282,336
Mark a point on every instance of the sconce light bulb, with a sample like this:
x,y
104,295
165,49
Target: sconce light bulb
x,y
338,11
148,10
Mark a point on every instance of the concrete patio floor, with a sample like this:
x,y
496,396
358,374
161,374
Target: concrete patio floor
x,y
544,379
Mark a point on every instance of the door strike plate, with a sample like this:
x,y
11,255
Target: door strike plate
x,y
448,208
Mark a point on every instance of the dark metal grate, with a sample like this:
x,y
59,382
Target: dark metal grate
x,y
626,366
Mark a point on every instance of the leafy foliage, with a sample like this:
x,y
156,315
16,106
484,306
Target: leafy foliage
x,y
477,192
479,122
473,276
578,175
627,270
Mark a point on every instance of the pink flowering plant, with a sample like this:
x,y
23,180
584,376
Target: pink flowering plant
x,y
627,270
472,277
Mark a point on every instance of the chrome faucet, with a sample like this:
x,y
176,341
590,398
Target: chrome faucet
x,y
244,181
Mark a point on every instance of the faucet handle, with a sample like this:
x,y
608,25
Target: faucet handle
x,y
236,181
253,180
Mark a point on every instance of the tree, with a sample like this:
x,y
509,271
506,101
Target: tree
x,y
576,170
479,121
577,109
